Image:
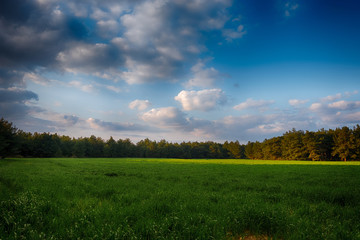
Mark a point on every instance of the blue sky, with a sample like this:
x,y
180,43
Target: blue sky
x,y
179,70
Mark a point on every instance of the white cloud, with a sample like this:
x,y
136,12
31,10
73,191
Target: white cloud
x,y
315,106
331,98
345,105
108,28
113,126
168,117
139,104
297,102
89,58
36,78
145,23
290,7
349,94
203,77
203,100
113,88
254,104
231,34
333,113
89,88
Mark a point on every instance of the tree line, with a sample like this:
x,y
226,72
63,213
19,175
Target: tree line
x,y
323,145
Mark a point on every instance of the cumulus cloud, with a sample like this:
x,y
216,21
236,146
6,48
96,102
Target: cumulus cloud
x,y
17,95
138,41
332,112
93,58
254,104
166,33
108,28
168,117
297,102
71,119
83,87
14,103
331,98
203,77
139,104
203,100
344,105
338,96
113,126
316,106
36,78
231,34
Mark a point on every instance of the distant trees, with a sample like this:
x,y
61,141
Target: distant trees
x,y
272,148
234,149
8,139
344,144
292,146
339,144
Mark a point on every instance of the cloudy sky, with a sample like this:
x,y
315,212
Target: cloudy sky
x,y
180,70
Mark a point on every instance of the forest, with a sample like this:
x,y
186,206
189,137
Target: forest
x,y
340,144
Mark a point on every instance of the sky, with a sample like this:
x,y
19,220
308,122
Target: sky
x,y
180,70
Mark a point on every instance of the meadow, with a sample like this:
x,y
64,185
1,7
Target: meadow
x,y
178,199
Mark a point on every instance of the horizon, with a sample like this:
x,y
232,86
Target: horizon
x,y
179,70
174,142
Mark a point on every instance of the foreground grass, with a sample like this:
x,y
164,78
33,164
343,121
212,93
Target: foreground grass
x,y
177,199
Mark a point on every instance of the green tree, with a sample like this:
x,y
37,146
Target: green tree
x,y
344,144
79,148
46,145
253,150
67,145
318,145
292,145
234,149
25,144
8,139
110,148
356,133
94,146
271,148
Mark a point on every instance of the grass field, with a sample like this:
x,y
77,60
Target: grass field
x,y
178,199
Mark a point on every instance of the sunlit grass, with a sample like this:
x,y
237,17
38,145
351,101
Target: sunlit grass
x,y
244,161
178,199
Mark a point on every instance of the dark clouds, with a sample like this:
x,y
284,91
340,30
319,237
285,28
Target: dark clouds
x,y
16,10
132,41
137,41
10,78
17,95
13,103
114,126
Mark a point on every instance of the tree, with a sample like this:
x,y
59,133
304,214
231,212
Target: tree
x,y
234,149
94,146
125,148
25,144
79,148
253,150
318,145
46,145
67,145
344,144
272,148
292,145
8,139
110,148
356,133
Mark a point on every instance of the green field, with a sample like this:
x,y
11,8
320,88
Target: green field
x,y
178,199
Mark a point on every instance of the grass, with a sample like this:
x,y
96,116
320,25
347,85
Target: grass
x,y
178,199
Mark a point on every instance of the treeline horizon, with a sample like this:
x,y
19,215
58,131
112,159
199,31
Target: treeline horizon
x,y
341,144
